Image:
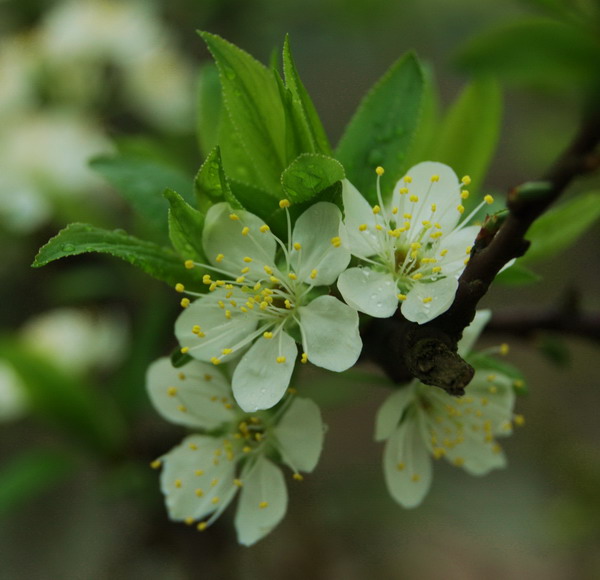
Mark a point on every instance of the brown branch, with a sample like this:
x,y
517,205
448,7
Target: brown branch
x,y
429,351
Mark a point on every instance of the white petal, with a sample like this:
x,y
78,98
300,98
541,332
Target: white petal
x,y
496,396
369,291
472,332
254,518
357,212
259,381
391,412
191,481
222,235
441,292
407,464
476,456
456,244
191,395
220,332
445,194
314,231
300,435
330,333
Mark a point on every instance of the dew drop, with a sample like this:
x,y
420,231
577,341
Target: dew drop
x,y
67,247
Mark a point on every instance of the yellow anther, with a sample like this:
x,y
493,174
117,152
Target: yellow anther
x,y
215,500
464,194
264,305
414,198
256,286
184,349
226,351
172,391
214,360
443,253
238,482
519,420
284,203
304,358
518,384
466,180
403,190
407,216
488,199
199,472
280,359
234,217
245,270
433,207
439,452
240,279
297,246
336,242
182,408
362,227
426,223
221,304
378,227
460,208
436,269
264,229
228,314
400,466
504,349
201,526
407,179
427,300
263,504
376,209
394,210
189,264
459,461
181,376
292,276
417,276
268,334
247,449
298,476
178,483
415,246
313,274
287,304
379,170
415,477
274,280
199,492
206,279
268,270
156,464
435,178
245,230
219,257
466,261
179,287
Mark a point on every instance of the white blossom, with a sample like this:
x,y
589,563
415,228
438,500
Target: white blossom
x,y
235,451
411,251
267,295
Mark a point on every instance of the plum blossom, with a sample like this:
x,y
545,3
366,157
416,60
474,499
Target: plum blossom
x,y
411,251
232,452
419,422
266,296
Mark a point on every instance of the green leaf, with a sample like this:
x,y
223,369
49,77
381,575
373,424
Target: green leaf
x,y
539,52
309,174
29,475
252,100
382,130
517,275
469,134
185,227
561,227
303,103
211,185
159,262
84,414
141,182
209,108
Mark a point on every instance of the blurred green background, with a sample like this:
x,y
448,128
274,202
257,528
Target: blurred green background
x,y
80,79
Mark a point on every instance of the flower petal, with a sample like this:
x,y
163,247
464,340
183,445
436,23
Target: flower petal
x,y
391,412
406,463
357,212
219,331
190,479
456,244
222,235
369,291
314,230
263,502
495,394
190,396
425,301
259,381
330,333
476,456
300,435
444,193
472,332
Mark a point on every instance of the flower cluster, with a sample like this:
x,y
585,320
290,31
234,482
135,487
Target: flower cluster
x,y
419,422
413,248
235,452
266,297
